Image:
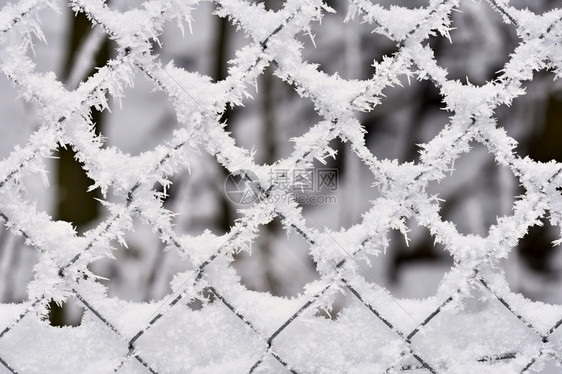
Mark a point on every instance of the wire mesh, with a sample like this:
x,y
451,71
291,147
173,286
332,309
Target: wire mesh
x,y
116,333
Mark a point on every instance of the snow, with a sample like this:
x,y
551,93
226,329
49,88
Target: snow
x,y
472,315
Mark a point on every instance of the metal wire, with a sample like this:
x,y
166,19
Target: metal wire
x,y
342,272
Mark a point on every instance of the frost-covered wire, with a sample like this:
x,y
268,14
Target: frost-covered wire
x,y
262,324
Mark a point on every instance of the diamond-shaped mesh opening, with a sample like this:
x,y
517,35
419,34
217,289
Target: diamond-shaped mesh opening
x,y
44,348
267,123
470,193
206,45
395,128
525,120
480,44
276,262
348,50
541,318
337,192
66,313
86,48
541,144
450,329
354,322
72,200
411,267
141,270
35,188
198,200
141,120
534,267
339,302
193,49
48,54
228,342
533,120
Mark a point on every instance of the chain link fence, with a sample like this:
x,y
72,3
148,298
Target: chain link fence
x,y
211,323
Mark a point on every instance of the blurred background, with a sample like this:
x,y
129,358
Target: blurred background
x,y
477,192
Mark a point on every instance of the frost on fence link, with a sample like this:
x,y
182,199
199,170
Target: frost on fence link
x,y
237,330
